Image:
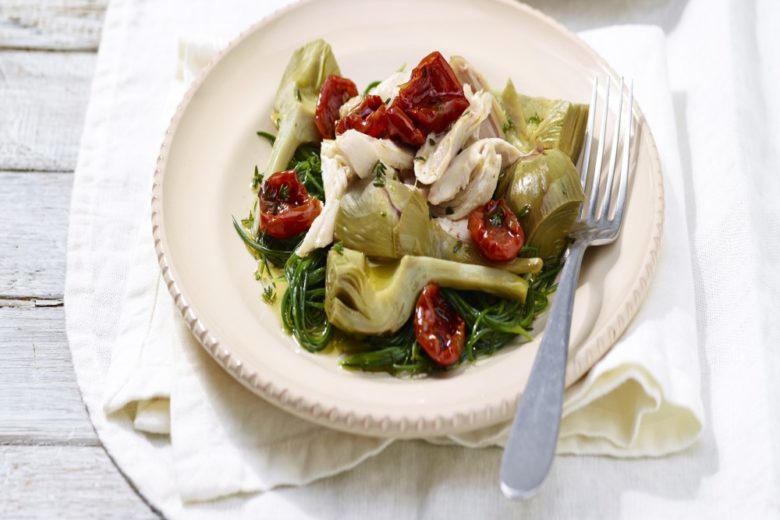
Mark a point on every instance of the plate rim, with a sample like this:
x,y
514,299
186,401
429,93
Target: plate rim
x,y
411,424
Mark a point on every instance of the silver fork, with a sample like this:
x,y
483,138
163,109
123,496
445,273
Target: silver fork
x,y
530,449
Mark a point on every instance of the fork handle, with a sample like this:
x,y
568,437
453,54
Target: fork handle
x,y
530,448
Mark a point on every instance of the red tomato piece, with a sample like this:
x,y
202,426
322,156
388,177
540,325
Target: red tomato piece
x,y
440,331
401,129
496,231
433,97
286,208
369,117
335,92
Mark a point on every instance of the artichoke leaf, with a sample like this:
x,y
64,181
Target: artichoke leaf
x,y
544,190
366,298
296,101
546,123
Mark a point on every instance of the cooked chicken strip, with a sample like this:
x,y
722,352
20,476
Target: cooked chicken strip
x,y
336,175
433,160
363,151
461,169
481,187
494,125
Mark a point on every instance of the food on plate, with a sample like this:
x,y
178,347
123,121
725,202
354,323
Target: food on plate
x,y
418,223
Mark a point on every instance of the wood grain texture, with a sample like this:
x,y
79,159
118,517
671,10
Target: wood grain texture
x,y
64,483
51,24
33,234
43,98
40,402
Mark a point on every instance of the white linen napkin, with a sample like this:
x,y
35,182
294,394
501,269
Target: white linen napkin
x,y
641,399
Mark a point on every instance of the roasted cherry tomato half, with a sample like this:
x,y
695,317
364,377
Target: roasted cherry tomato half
x,y
440,331
369,117
286,208
335,92
401,129
433,97
496,231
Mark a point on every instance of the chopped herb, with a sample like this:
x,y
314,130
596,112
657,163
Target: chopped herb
x,y
525,211
431,141
307,164
379,174
534,119
284,192
458,246
382,213
339,247
449,210
387,101
508,125
496,218
269,293
420,158
257,178
298,94
271,138
249,221
371,86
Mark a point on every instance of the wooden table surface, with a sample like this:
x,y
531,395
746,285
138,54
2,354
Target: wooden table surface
x,y
52,464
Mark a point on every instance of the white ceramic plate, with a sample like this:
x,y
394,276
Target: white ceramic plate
x,y
205,166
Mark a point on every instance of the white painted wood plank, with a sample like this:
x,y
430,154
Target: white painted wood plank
x,y
51,24
43,98
33,233
45,482
40,402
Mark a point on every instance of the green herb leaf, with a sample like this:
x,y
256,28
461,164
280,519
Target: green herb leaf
x,y
379,174
508,125
271,138
420,158
534,119
298,94
257,179
371,86
308,166
431,141
526,209
284,192
269,293
339,247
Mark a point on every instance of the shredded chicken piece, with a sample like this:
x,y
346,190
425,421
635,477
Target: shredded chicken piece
x,y
465,166
336,176
455,228
433,159
389,87
494,125
362,152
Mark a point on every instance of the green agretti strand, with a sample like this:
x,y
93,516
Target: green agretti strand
x,y
303,311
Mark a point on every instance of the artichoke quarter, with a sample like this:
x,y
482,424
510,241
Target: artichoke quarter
x,y
362,297
547,123
391,221
544,190
296,101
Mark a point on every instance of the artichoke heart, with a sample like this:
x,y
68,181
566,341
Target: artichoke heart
x,y
545,191
549,123
366,298
393,220
296,101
